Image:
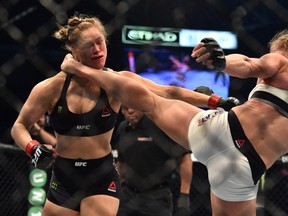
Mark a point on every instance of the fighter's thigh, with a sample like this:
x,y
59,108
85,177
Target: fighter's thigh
x,y
242,208
173,117
99,205
51,209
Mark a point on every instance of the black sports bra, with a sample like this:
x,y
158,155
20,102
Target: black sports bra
x,y
97,121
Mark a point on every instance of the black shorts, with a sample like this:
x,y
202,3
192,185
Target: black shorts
x,y
75,179
255,161
157,201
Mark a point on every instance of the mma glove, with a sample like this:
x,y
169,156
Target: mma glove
x,y
216,54
215,101
42,155
204,90
183,205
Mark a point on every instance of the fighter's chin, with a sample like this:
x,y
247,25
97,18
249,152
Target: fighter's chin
x,y
97,65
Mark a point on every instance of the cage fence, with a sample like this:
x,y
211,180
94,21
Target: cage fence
x,y
15,187
29,55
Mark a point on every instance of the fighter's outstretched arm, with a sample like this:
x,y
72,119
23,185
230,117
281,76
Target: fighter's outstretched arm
x,y
209,53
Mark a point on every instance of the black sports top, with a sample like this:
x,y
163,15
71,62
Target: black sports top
x,y
275,97
97,121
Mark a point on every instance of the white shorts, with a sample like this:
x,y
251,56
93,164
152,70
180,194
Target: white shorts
x,y
229,171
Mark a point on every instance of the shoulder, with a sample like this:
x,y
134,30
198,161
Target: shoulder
x,y
52,82
48,90
277,61
267,65
277,58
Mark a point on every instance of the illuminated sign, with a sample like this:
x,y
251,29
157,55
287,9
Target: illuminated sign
x,y
149,35
175,37
190,38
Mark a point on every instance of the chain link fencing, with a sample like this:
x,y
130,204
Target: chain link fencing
x,y
15,186
28,54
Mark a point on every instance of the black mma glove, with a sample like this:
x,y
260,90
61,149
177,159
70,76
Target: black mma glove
x,y
42,156
204,90
217,101
183,205
216,54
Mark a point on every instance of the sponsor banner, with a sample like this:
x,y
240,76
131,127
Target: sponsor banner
x,y
175,37
150,35
190,38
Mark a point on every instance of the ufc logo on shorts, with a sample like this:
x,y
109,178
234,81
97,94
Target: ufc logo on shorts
x,y
80,164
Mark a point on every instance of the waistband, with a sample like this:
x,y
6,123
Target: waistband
x,y
280,105
242,143
82,163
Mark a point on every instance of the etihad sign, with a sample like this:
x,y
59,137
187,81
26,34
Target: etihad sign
x,y
148,35
175,37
